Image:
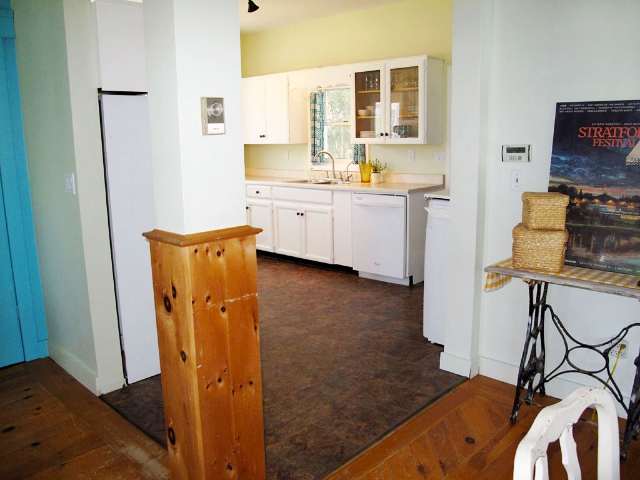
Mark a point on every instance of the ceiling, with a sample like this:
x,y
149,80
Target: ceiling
x,y
280,13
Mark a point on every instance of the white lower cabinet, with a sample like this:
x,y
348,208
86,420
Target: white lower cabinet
x,y
260,215
288,233
342,228
304,230
303,223
317,233
381,236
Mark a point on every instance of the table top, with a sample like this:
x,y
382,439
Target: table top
x,y
578,277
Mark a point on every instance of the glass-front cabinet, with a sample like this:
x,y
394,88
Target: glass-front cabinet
x,y
398,102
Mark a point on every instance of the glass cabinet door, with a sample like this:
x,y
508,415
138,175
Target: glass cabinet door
x,y
389,102
368,104
404,102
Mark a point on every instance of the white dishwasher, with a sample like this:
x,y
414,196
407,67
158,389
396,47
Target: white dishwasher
x,y
379,234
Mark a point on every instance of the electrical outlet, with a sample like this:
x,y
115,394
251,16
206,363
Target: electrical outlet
x,y
286,154
441,156
621,347
412,155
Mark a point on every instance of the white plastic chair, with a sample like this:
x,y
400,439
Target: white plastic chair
x,y
556,422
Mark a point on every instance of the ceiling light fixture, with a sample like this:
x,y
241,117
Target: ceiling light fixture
x,y
252,6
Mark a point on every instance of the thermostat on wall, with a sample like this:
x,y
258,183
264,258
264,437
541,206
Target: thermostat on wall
x,y
516,153
212,110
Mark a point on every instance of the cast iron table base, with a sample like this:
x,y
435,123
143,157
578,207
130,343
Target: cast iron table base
x,y
531,375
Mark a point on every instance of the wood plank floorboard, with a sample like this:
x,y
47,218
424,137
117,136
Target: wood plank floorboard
x,y
53,428
467,435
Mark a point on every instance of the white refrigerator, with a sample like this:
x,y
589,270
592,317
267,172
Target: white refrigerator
x,y
126,140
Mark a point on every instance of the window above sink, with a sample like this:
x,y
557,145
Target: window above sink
x,y
331,127
337,125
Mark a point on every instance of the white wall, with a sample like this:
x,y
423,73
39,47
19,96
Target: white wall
x,y
193,51
529,55
92,197
468,125
58,86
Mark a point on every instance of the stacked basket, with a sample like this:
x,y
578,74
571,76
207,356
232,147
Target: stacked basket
x,y
539,241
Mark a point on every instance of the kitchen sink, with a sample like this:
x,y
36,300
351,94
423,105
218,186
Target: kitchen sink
x,y
315,180
320,181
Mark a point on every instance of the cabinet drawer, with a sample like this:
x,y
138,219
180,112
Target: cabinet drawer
x,y
302,194
258,191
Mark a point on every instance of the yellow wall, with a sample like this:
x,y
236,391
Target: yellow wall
x,y
416,27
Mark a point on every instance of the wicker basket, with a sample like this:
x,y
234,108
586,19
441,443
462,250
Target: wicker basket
x,y
544,210
539,249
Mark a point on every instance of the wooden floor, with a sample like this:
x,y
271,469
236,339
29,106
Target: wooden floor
x,y
468,435
53,428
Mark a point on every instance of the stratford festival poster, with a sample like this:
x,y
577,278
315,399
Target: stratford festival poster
x,y
596,161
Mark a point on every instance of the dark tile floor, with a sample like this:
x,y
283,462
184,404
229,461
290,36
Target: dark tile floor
x,y
343,361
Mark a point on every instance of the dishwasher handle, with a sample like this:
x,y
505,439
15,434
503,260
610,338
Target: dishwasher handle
x,y
393,201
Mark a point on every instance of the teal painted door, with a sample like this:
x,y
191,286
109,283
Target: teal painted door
x,y
11,350
23,329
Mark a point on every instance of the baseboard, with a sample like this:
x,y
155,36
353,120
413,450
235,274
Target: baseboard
x,y
505,372
383,278
560,387
74,367
309,263
455,364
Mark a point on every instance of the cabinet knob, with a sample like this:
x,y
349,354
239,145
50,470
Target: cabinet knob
x,y
302,214
381,134
257,192
247,207
386,134
297,213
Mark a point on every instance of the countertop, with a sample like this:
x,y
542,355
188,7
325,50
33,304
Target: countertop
x,y
439,193
380,188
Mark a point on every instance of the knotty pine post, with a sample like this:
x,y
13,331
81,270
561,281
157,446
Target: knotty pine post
x,y
206,300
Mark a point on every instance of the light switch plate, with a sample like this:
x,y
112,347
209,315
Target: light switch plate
x,y
70,183
517,180
441,156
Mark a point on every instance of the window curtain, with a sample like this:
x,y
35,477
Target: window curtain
x,y
358,153
317,125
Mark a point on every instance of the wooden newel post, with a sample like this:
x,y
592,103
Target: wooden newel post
x,y
206,300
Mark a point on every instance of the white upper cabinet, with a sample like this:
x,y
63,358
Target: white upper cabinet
x,y
121,53
265,109
273,114
398,101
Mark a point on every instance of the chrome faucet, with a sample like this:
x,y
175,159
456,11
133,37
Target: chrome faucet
x,y
349,175
333,164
